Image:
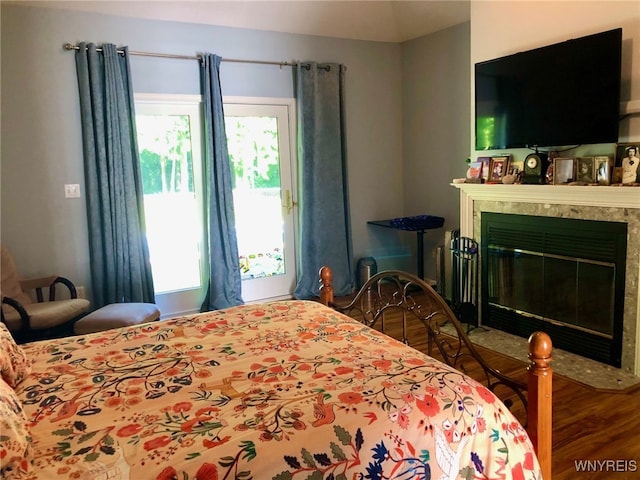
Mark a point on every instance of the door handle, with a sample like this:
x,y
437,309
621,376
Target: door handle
x,y
288,203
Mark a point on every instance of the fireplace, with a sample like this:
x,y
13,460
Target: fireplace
x,y
610,204
560,275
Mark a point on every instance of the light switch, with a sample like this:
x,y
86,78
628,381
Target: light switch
x,y
72,190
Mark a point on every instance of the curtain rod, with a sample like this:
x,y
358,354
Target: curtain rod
x,y
70,46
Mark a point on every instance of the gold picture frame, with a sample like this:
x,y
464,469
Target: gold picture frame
x,y
585,170
603,170
498,168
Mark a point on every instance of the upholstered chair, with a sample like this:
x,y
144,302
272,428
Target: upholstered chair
x,y
31,317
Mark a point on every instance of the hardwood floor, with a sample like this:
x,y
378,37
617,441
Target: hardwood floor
x,y
589,425
594,428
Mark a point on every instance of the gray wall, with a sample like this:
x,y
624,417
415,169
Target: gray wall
x,y
436,104
41,147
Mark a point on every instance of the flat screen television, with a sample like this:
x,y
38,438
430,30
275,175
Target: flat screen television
x,y
562,94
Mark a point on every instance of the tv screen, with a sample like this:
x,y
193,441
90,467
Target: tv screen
x,y
562,94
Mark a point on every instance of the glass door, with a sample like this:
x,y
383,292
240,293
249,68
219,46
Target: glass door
x,y
259,139
169,144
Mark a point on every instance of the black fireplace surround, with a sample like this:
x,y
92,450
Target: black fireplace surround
x,y
559,275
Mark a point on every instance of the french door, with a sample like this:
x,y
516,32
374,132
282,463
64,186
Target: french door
x,y
260,141
261,150
170,149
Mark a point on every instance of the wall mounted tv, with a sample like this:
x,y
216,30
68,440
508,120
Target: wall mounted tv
x,y
559,95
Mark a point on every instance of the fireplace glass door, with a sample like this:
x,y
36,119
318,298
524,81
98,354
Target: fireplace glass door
x,y
571,291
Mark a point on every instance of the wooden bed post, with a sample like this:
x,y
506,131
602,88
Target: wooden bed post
x,y
326,287
539,395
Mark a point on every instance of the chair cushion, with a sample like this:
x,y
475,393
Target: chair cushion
x,y
10,280
48,314
117,315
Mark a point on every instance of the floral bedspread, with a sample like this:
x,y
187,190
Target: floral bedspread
x,y
286,390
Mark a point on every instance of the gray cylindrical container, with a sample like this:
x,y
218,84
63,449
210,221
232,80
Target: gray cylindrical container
x,y
367,268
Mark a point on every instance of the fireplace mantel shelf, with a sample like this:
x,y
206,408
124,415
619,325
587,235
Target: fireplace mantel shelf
x,y
601,196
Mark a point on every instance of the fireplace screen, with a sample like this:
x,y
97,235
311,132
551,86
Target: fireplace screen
x,y
562,276
571,291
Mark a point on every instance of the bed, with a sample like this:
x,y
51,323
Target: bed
x,y
283,390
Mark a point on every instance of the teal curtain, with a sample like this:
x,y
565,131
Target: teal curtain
x,y
119,255
325,232
225,283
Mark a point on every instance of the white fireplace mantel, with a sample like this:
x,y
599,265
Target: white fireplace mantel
x,y
601,196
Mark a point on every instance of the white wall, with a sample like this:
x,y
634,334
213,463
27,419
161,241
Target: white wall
x,y
501,28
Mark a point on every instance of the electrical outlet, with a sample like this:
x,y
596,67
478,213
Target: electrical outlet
x,y
72,190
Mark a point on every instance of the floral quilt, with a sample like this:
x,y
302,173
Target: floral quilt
x,y
285,390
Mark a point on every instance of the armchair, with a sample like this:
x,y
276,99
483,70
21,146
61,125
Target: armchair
x,y
28,319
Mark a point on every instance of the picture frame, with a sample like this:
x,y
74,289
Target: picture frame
x,y
486,165
474,174
627,159
516,167
563,170
585,170
603,170
498,168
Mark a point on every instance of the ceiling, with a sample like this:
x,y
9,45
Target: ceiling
x,y
378,20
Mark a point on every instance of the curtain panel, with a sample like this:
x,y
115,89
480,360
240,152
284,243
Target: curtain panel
x,y
325,232
225,282
119,255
